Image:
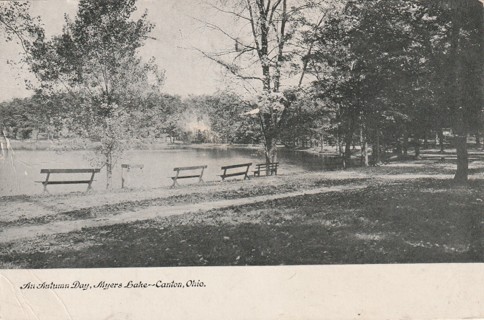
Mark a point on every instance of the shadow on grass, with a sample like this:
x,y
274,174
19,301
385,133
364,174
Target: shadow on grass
x,y
245,244
422,221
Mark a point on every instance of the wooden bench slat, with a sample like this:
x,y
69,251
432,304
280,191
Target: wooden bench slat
x,y
67,181
265,164
233,174
189,168
237,166
70,170
183,177
266,167
238,173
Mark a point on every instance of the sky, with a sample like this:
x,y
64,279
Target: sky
x,y
178,30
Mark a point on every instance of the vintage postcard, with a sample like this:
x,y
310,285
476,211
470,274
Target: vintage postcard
x,y
241,159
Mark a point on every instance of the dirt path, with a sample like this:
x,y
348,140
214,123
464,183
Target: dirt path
x,y
16,233
28,207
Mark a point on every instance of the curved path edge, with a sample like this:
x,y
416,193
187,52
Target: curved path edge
x,y
18,233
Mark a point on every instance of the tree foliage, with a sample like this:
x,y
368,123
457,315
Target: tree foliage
x,y
268,27
387,67
16,23
96,60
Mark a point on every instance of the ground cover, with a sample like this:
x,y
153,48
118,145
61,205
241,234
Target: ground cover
x,y
404,213
65,207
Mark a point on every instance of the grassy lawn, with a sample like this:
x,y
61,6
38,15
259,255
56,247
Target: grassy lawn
x,y
415,221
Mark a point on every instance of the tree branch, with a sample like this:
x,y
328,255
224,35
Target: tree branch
x,y
228,67
311,45
238,15
273,9
254,30
215,27
19,36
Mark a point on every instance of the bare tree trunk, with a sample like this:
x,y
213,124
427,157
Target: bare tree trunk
x,y
109,171
270,149
376,149
462,159
417,148
458,92
348,143
350,130
338,142
384,149
364,149
405,143
322,142
347,153
441,140
399,147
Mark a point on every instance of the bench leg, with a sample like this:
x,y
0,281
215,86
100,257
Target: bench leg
x,y
200,180
247,173
89,187
174,184
45,183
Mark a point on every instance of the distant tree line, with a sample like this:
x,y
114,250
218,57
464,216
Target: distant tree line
x,y
217,118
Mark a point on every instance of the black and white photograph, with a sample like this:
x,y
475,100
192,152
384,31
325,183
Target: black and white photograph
x,y
248,133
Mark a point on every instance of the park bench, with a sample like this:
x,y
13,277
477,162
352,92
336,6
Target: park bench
x,y
179,169
243,172
125,169
89,181
269,168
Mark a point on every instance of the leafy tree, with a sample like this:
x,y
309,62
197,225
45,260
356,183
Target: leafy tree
x,y
310,116
95,60
384,64
228,120
464,73
160,114
16,23
264,42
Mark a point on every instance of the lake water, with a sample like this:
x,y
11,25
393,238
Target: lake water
x,y
20,169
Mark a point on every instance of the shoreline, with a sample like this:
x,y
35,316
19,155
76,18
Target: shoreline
x,y
71,145
66,145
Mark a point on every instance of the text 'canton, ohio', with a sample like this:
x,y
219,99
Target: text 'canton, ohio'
x,y
113,285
